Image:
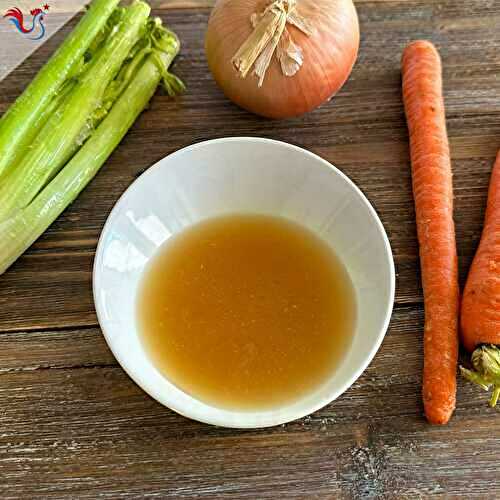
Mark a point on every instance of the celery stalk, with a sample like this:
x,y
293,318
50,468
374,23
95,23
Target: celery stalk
x,y
155,40
18,124
26,225
55,142
53,105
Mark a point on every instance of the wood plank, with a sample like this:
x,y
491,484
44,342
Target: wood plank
x,y
398,458
73,424
396,367
28,351
362,131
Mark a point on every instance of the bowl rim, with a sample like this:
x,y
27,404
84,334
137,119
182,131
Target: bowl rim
x,y
246,420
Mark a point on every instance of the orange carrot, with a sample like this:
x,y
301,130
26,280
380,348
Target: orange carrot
x,y
433,194
480,317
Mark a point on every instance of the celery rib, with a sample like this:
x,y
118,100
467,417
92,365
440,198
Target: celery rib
x,y
19,231
56,141
18,124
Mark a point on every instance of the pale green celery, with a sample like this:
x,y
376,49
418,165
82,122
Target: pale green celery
x,y
112,21
18,124
486,373
97,43
155,37
78,69
54,104
165,41
54,144
26,225
114,90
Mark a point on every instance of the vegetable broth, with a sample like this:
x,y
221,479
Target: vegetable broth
x,y
246,312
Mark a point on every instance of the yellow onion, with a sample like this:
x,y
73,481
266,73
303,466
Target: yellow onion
x,y
310,47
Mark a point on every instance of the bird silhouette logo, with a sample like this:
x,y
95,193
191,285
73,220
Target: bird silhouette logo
x,y
37,29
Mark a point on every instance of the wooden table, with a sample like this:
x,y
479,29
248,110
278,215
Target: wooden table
x,y
72,424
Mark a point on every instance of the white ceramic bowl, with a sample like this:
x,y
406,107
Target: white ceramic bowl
x,y
241,175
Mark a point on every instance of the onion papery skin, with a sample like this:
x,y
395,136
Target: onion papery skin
x,y
329,56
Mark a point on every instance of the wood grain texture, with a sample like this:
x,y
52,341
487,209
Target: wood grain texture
x,y
362,131
72,424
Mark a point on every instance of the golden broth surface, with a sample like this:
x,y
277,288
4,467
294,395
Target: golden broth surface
x,y
246,312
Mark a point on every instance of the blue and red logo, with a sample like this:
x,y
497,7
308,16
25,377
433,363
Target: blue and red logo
x,y
37,29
